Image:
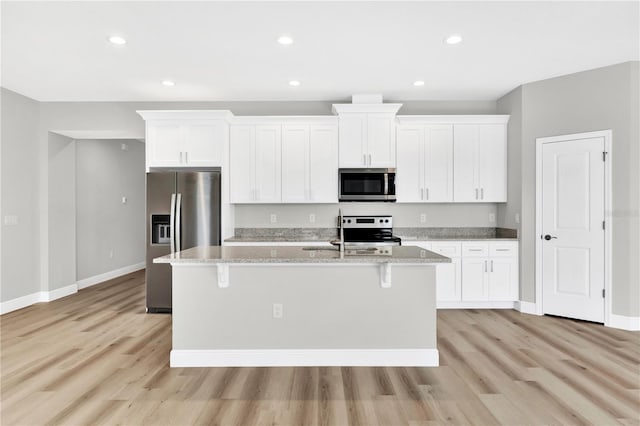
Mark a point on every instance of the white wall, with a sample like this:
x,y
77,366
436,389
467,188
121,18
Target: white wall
x,y
110,235
604,98
20,243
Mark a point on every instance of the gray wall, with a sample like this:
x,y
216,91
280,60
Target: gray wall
x,y
62,211
404,215
110,234
20,266
604,98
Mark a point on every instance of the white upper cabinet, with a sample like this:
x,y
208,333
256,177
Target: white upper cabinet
x,y
284,160
480,162
425,163
186,138
309,164
367,135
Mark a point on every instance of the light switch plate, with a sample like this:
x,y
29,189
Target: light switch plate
x,y
273,218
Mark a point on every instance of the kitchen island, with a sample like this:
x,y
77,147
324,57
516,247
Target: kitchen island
x,y
303,306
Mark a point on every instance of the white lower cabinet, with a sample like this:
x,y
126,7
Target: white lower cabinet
x,y
481,272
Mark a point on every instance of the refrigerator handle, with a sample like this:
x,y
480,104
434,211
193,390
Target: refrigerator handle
x,y
178,222
172,223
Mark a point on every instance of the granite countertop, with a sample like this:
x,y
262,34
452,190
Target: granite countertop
x,y
279,254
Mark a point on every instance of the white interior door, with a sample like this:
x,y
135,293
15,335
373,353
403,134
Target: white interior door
x,y
573,238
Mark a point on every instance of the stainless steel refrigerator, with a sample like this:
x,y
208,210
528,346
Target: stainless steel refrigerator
x,y
183,211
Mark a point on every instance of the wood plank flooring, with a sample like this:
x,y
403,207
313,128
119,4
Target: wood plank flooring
x,y
97,358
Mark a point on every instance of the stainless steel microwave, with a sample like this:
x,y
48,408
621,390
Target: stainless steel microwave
x,y
367,184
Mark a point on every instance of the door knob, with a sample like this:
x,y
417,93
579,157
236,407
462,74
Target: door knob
x,y
548,237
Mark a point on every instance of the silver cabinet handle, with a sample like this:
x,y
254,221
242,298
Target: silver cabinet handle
x,y
485,266
482,193
427,194
475,249
422,193
492,266
180,157
369,159
476,193
186,157
172,223
364,159
178,210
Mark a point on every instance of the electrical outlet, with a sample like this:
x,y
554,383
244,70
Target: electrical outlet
x,y
278,310
517,217
124,200
312,218
273,218
124,146
423,217
492,217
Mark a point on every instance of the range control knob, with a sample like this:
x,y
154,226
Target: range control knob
x,y
380,220
386,220
349,221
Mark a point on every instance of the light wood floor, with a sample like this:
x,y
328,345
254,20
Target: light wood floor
x,y
97,358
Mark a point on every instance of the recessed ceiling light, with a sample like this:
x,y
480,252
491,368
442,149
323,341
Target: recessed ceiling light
x,y
117,40
168,83
286,40
453,39
418,83
294,83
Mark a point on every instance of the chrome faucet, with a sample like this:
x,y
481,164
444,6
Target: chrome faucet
x,y
340,225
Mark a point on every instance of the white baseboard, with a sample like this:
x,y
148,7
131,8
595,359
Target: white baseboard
x,y
97,279
19,302
527,307
305,358
48,296
475,305
624,322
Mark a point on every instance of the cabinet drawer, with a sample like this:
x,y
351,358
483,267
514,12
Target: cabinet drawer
x,y
448,249
475,249
507,249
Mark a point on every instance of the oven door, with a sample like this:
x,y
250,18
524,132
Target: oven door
x,y
367,185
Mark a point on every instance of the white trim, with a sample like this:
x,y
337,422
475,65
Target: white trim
x,y
201,114
526,307
19,302
97,279
453,119
476,305
365,108
329,120
48,296
623,322
304,357
607,135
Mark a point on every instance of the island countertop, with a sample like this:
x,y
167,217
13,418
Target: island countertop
x,y
300,254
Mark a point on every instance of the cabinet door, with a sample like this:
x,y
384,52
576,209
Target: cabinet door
x,y
492,162
323,164
465,163
242,164
503,278
449,281
352,140
438,163
381,140
474,279
164,143
268,164
295,163
204,143
410,171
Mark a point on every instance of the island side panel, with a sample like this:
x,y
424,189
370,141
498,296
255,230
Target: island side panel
x,y
324,307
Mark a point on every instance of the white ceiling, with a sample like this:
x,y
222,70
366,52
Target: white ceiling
x,y
57,51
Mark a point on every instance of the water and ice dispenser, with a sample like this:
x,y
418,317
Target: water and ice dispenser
x,y
160,229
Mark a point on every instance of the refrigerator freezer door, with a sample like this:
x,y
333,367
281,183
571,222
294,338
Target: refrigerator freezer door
x,y
160,187
199,209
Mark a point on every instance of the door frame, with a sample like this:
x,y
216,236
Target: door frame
x,y
607,135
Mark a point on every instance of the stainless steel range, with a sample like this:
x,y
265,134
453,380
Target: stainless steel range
x,y
369,231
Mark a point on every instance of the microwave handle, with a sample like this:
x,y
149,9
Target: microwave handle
x,y
386,184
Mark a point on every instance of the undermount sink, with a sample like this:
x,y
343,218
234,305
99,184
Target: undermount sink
x,y
320,248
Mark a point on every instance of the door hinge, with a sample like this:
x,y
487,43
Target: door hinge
x,y
603,293
604,155
603,226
